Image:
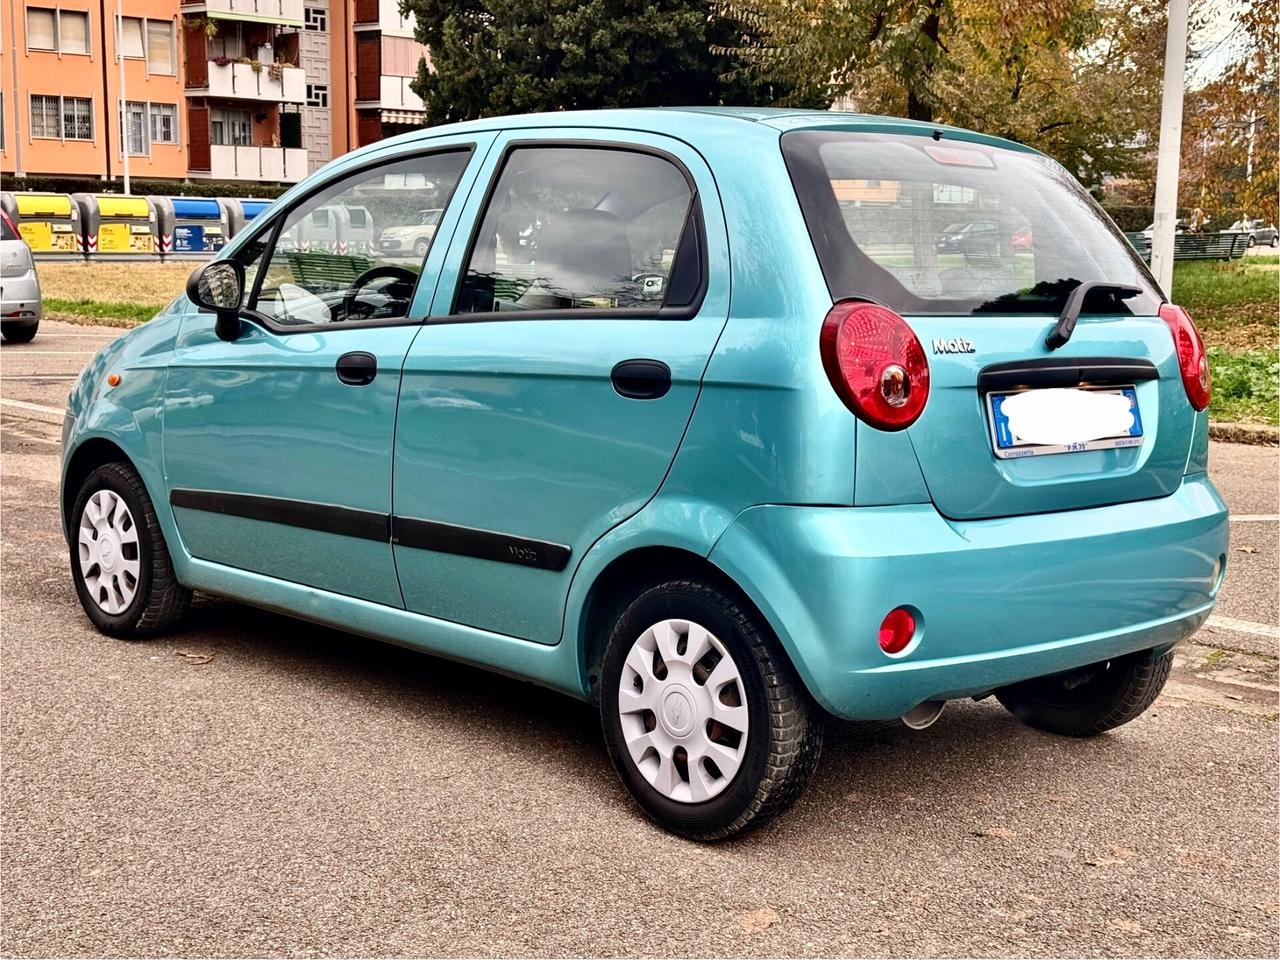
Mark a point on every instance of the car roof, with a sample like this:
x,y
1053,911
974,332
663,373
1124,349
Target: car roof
x,y
702,124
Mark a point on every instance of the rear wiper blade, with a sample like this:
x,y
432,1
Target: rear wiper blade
x,y
1075,302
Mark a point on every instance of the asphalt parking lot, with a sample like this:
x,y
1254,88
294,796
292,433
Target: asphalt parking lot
x,y
255,786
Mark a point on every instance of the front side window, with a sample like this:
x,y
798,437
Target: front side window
x,y
571,228
353,251
952,227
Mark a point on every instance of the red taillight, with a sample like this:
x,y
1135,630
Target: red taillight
x,y
1192,360
896,630
876,364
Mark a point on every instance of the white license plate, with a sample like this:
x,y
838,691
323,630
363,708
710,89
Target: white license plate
x,y
1007,445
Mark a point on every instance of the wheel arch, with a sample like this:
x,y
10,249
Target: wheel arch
x,y
627,576
90,454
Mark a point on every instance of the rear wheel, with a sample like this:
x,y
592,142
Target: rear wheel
x,y
119,561
15,333
703,717
1092,700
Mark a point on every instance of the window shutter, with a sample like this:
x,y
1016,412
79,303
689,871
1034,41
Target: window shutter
x,y
40,29
73,32
131,38
160,46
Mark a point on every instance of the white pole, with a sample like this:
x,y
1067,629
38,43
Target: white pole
x,y
1166,218
124,108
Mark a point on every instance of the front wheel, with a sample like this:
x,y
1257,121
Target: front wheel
x,y
1275,240
704,719
119,561
1092,700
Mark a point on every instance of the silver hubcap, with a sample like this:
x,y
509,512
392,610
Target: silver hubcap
x,y
109,560
683,710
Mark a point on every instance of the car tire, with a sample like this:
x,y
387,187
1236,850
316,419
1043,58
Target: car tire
x,y
19,334
1085,703
420,248
723,673
134,592
1275,241
1253,241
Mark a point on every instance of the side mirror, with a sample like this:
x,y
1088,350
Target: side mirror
x,y
219,286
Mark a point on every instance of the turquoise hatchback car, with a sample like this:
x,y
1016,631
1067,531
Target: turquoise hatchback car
x,y
725,420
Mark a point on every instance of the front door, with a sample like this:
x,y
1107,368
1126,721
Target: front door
x,y
277,446
545,398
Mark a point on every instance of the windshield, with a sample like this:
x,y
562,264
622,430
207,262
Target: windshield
x,y
949,227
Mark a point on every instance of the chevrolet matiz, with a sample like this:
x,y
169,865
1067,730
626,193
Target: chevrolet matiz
x,y
692,414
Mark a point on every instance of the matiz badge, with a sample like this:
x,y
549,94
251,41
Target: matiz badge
x,y
954,345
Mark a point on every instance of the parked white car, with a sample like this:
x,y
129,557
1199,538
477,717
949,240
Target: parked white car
x,y
414,236
20,303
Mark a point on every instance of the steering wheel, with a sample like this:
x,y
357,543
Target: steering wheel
x,y
401,274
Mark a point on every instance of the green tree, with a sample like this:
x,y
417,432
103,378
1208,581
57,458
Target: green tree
x,y
1078,79
495,57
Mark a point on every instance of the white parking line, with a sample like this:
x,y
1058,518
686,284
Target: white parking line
x,y
30,407
1245,626
1255,517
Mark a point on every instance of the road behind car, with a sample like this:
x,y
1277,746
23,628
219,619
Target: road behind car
x,y
254,785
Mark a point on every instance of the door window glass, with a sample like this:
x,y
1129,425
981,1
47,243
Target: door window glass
x,y
577,228
353,251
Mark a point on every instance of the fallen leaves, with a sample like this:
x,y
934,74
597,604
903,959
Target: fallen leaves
x,y
195,658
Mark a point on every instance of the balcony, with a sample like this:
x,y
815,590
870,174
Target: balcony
x,y
273,164
287,12
241,81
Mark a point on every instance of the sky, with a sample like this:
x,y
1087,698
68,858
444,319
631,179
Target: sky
x,y
1215,42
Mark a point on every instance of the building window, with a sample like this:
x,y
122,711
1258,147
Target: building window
x,y
315,18
230,128
160,46
63,31
317,94
135,125
131,38
164,123
42,30
61,118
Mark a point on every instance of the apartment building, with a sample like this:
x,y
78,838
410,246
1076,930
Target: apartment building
x,y
60,83
227,90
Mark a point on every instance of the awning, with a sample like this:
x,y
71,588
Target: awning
x,y
415,118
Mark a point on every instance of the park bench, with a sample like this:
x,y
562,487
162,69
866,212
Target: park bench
x,y
1196,246
329,271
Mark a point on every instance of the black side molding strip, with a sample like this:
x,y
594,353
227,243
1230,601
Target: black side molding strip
x,y
326,517
1062,372
483,544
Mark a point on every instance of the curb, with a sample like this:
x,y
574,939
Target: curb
x,y
1245,433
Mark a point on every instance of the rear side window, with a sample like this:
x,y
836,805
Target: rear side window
x,y
583,228
948,227
6,230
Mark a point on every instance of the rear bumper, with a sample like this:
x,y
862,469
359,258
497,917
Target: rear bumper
x,y
20,295
998,601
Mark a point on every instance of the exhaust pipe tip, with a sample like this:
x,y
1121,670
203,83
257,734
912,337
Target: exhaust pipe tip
x,y
923,715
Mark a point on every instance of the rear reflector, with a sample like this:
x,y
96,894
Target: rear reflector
x,y
1193,363
897,630
875,363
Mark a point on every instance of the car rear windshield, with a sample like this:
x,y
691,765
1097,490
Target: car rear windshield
x,y
944,226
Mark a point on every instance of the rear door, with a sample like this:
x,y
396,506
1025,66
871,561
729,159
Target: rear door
x,y
544,400
979,248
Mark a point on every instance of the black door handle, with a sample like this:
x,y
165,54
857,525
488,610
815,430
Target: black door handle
x,y
641,379
357,368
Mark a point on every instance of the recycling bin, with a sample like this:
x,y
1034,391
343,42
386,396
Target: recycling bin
x,y
49,222
117,227
190,228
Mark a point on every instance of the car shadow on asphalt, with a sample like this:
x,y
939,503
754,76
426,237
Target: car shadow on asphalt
x,y
974,756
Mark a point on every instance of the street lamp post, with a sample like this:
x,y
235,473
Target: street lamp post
x,y
1166,213
124,103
